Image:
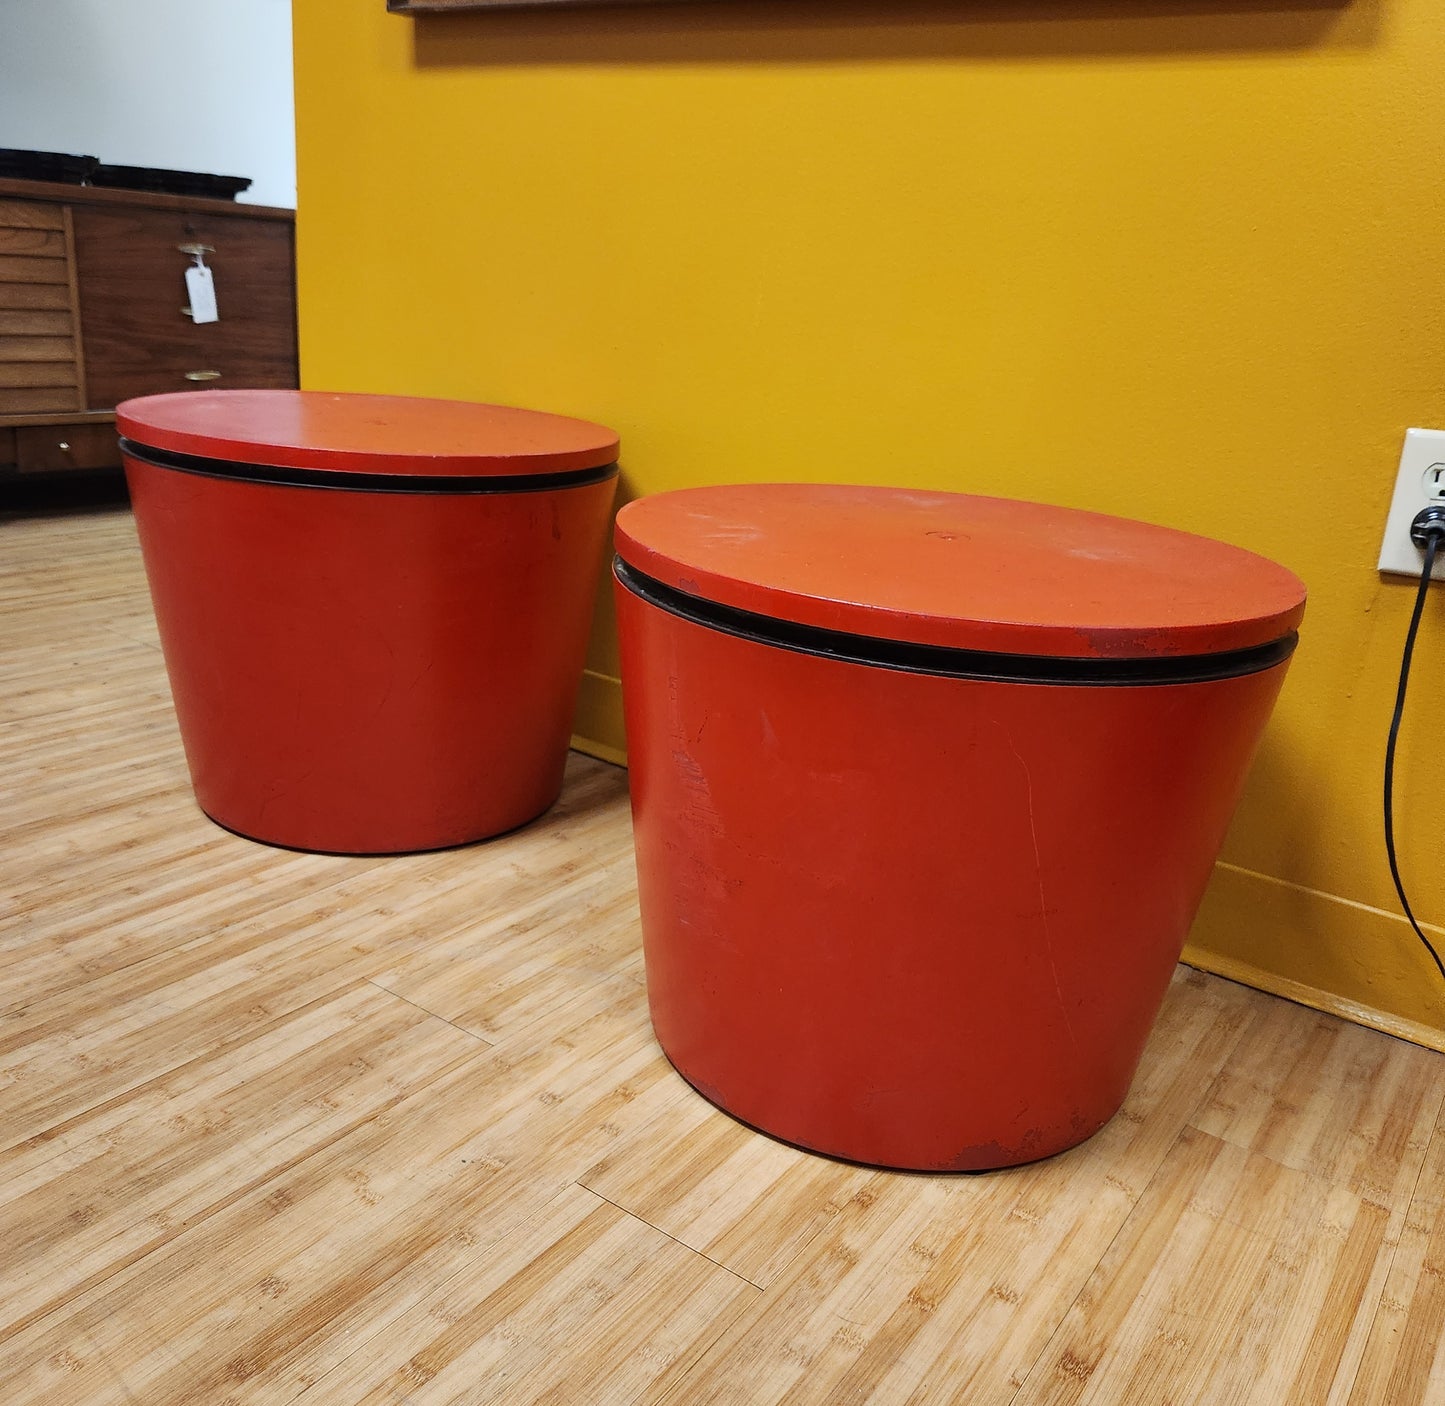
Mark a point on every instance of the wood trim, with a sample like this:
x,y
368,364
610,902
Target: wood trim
x,y
30,241
1321,949
1232,969
20,268
26,214
107,195
61,417
34,400
28,350
37,322
33,297
590,747
31,375
69,226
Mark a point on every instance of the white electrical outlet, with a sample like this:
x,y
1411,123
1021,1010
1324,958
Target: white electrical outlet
x,y
1419,482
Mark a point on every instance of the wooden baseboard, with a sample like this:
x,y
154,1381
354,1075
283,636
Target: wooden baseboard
x,y
597,728
590,747
1321,950
1412,1030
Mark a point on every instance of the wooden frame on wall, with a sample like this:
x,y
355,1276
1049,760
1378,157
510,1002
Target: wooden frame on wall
x,y
441,7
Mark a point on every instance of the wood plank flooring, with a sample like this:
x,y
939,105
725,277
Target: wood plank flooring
x,y
293,1128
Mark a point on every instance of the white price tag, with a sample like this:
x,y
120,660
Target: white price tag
x,y
201,289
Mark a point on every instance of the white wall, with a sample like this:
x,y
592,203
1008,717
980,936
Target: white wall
x,y
193,85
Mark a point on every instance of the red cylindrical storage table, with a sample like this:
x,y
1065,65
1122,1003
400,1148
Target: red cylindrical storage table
x,y
926,791
374,609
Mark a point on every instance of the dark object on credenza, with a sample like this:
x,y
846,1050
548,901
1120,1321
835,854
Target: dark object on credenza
x,y
19,165
165,182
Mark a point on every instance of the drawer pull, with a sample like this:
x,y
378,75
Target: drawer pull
x,y
203,375
64,445
196,250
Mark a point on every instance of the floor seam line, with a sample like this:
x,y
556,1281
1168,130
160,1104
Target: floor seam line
x,y
692,1249
416,1005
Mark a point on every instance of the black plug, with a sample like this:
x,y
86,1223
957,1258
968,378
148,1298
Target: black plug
x,y
1428,523
1427,531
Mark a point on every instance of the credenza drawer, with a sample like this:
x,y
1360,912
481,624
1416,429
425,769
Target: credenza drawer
x,y
41,449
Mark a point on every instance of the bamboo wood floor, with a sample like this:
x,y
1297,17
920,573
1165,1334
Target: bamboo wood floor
x,y
289,1128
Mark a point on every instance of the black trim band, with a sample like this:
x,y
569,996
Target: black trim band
x,y
947,661
363,482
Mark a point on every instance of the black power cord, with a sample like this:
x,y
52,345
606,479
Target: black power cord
x,y
1427,531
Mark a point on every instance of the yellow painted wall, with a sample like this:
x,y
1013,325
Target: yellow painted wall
x,y
1178,259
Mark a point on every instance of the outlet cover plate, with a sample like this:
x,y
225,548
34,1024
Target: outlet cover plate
x,y
1419,482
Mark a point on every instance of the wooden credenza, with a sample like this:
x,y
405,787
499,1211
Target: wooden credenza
x,y
93,311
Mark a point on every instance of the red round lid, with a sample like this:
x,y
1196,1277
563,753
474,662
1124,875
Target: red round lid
x,y
369,434
960,571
